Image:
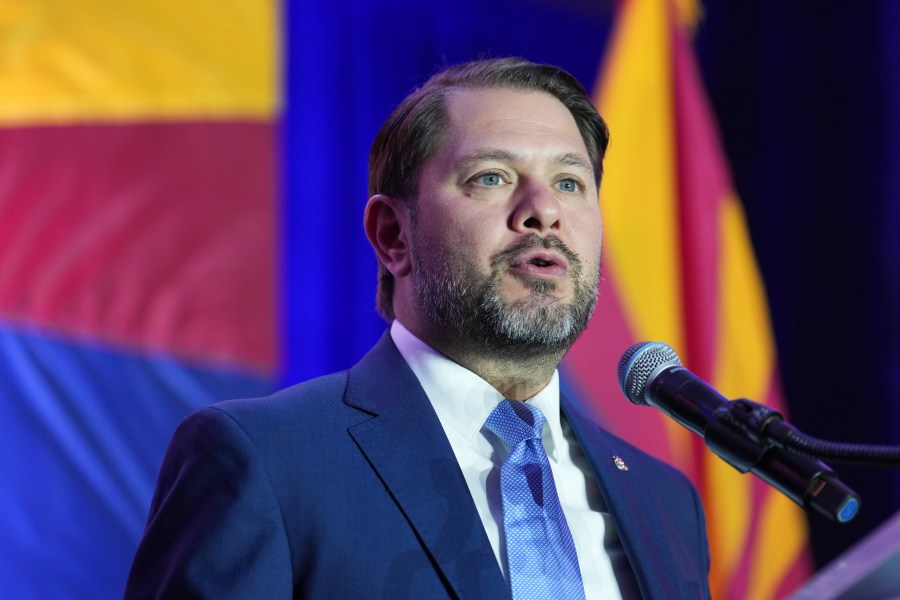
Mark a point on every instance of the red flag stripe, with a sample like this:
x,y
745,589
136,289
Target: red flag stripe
x,y
155,236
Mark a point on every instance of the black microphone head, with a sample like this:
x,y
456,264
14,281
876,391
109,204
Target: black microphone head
x,y
638,363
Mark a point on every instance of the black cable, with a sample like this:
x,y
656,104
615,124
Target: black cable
x,y
840,453
766,426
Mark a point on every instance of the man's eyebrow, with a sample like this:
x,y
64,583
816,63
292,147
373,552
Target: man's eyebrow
x,y
487,155
572,159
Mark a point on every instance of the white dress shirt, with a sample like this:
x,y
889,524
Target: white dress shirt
x,y
462,401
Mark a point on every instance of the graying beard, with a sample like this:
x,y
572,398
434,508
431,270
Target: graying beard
x,y
478,313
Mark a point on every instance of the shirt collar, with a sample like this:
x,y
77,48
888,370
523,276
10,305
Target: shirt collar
x,y
462,399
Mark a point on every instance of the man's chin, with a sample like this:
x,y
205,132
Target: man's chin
x,y
539,308
535,324
536,295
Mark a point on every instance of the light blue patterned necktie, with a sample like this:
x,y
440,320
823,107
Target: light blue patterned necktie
x,y
539,547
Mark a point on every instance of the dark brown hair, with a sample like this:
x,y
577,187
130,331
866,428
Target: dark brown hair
x,y
415,130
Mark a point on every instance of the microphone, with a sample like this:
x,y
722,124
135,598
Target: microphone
x,y
650,373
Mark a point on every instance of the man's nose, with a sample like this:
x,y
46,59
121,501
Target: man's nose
x,y
537,210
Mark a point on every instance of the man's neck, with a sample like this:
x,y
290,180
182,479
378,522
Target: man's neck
x,y
517,377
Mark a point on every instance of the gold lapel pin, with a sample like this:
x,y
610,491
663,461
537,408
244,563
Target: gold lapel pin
x,y
620,464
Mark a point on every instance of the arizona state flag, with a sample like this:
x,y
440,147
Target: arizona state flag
x,y
678,267
137,262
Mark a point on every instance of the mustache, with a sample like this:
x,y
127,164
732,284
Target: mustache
x,y
534,241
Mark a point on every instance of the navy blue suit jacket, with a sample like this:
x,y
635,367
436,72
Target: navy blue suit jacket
x,y
346,487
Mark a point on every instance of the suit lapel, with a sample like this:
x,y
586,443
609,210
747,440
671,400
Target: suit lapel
x,y
640,525
405,443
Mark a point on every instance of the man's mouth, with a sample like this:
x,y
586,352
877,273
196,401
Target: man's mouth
x,y
540,263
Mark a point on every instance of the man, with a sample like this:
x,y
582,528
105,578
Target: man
x,y
400,478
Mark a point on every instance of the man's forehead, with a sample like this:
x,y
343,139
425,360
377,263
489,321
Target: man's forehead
x,y
505,104
507,123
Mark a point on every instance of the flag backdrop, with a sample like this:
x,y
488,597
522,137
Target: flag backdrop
x,y
181,194
679,268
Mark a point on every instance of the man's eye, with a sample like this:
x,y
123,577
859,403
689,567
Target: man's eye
x,y
490,179
568,185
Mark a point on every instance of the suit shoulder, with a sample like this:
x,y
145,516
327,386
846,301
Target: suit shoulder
x,y
316,404
324,391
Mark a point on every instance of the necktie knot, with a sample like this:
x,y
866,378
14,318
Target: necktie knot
x,y
514,421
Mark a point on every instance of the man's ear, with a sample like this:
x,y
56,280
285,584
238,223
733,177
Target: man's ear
x,y
387,226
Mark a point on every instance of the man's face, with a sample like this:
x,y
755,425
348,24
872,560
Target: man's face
x,y
506,227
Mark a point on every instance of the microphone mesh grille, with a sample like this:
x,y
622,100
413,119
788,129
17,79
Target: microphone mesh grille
x,y
638,363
